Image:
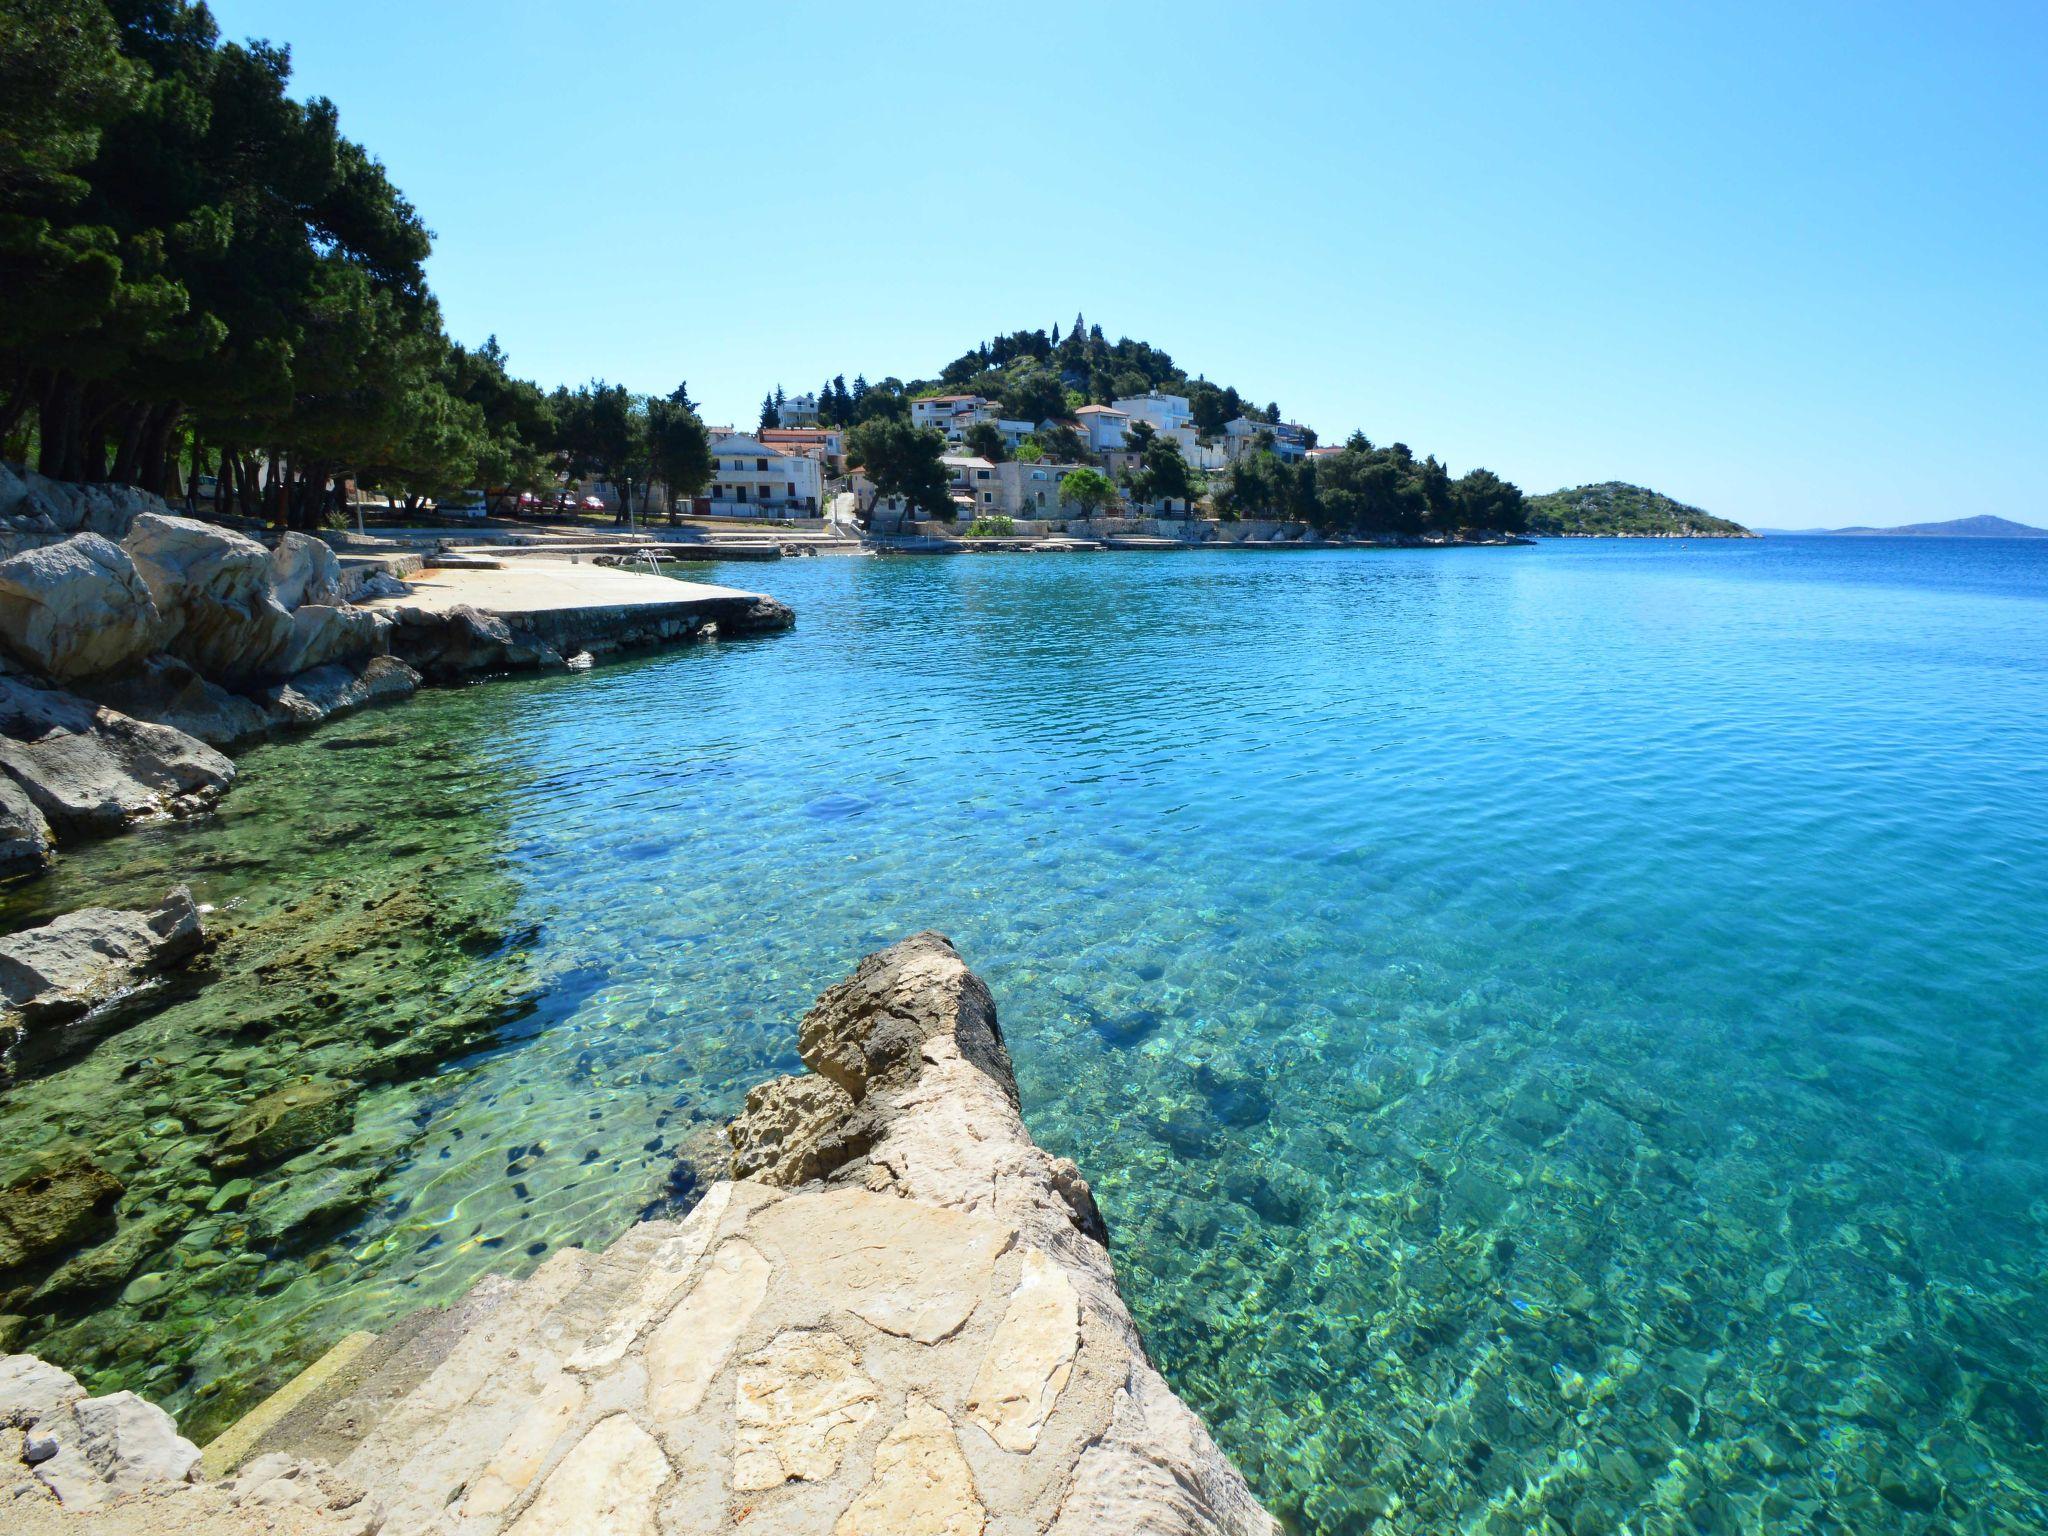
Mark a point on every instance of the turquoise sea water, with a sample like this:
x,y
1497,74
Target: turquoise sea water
x,y
1557,1032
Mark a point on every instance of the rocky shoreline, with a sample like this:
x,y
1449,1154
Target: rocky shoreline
x,y
137,647
897,1313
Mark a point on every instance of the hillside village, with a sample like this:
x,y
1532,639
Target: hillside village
x,y
995,466
1028,432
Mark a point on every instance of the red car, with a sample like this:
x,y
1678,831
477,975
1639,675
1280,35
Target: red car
x,y
592,504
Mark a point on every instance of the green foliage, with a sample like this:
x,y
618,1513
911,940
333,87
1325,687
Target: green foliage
x,y
678,447
902,460
1030,452
191,258
1089,489
991,528
1163,474
983,438
1614,509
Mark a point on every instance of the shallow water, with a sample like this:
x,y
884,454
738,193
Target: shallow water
x,y
1556,1032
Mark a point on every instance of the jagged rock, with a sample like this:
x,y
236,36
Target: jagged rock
x,y
303,1113
76,609
763,617
165,691
213,588
128,1442
304,570
52,976
449,643
323,634
56,508
92,770
794,1130
54,1212
24,833
339,688
869,1030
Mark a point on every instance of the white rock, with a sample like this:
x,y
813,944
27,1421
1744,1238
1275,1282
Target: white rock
x,y
304,570
212,587
77,609
692,1344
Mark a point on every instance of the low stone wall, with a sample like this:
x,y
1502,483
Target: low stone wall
x,y
898,1316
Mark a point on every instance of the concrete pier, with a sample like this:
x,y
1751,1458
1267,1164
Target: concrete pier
x,y
582,607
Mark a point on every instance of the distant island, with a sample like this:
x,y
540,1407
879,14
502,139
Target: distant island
x,y
1955,528
1613,510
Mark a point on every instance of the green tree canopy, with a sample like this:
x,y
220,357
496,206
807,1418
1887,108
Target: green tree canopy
x,y
902,460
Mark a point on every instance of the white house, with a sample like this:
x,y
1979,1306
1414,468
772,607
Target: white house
x,y
938,410
972,480
1167,413
749,478
826,444
799,411
1104,427
1290,439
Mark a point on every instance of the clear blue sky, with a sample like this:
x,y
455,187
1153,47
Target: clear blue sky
x,y
1789,262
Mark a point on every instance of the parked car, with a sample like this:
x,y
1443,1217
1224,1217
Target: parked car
x,y
468,504
592,503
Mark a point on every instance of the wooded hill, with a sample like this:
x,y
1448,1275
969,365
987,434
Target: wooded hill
x,y
1613,509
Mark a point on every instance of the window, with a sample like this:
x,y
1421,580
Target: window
x,y
982,474
761,465
988,496
1041,498
792,490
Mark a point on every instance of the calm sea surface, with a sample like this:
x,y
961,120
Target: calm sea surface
x,y
1560,1034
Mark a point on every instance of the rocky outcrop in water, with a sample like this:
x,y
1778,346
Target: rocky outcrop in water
x,y
904,1320
53,979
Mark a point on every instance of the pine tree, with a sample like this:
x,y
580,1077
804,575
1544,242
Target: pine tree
x,y
770,416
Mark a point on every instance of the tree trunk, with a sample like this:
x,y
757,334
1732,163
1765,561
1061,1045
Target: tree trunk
x,y
59,428
155,452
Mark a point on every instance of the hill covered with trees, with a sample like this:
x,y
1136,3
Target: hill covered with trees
x,y
1613,509
1043,374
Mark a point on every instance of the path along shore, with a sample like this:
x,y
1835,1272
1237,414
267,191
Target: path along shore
x,y
138,647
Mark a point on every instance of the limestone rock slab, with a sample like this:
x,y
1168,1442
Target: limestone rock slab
x,y
922,1485
800,1404
1030,1357
607,1485
691,1345
914,1270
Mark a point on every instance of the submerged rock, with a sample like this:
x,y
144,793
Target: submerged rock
x,y
53,976
301,1114
54,1212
